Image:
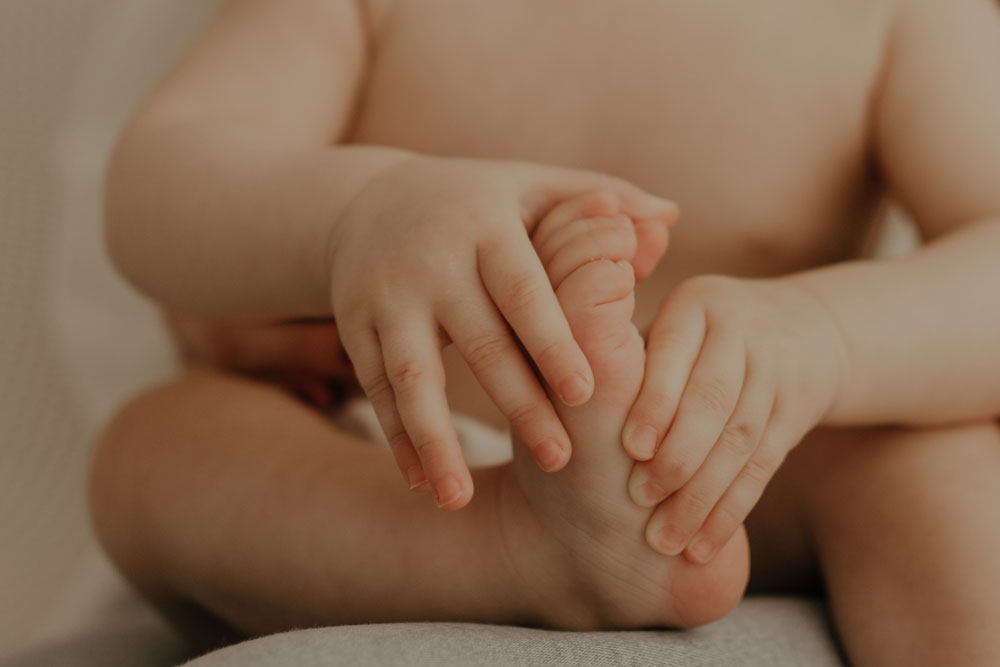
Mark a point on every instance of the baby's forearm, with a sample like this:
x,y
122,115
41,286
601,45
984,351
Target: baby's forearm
x,y
922,333
213,218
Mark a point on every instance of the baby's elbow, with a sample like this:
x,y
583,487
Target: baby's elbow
x,y
129,198
118,209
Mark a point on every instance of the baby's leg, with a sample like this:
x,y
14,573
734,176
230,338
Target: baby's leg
x,y
903,524
221,494
225,495
583,517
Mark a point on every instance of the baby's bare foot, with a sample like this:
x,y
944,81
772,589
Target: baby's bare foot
x,y
575,536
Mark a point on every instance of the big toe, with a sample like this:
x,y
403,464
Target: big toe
x,y
598,299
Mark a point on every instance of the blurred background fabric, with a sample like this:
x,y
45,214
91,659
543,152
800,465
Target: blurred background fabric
x,y
74,340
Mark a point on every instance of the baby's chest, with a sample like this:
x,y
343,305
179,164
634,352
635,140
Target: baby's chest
x,y
753,116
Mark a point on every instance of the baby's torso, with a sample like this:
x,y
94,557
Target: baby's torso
x,y
753,116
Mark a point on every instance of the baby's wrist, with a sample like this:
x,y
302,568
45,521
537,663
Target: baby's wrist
x,y
364,205
829,348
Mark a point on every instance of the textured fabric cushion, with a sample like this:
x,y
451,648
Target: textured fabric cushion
x,y
764,632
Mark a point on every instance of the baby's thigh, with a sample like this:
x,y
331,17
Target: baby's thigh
x,y
198,416
879,486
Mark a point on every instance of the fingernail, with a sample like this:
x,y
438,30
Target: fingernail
x,y
574,390
549,455
644,491
416,479
447,491
640,441
665,539
701,550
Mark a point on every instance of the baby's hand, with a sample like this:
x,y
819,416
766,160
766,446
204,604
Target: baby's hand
x,y
437,250
303,356
737,372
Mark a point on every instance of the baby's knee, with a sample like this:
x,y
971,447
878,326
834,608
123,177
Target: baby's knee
x,y
939,450
143,420
870,466
889,446
127,451
120,465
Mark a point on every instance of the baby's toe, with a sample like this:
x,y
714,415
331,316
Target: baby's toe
x,y
598,299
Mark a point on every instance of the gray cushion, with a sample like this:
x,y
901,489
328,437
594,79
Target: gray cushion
x,y
770,632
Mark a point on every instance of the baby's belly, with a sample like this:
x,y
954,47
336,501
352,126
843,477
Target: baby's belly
x,y
766,154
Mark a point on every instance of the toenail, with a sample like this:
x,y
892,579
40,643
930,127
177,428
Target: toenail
x,y
653,493
447,491
670,540
640,441
701,550
651,224
636,483
549,455
644,491
574,390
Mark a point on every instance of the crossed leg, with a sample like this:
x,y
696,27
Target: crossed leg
x,y
218,494
901,526
226,496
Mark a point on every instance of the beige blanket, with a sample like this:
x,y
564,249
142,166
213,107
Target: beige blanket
x,y
74,341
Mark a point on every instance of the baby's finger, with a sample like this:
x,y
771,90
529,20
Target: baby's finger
x,y
742,496
363,349
612,239
485,342
517,283
413,366
682,514
705,408
671,351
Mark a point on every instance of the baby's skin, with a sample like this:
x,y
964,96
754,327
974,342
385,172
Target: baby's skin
x,y
474,173
580,517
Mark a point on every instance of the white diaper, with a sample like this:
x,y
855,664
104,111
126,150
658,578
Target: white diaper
x,y
482,444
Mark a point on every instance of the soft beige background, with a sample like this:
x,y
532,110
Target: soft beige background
x,y
74,341
69,72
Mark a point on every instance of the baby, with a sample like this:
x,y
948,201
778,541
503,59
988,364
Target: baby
x,y
492,174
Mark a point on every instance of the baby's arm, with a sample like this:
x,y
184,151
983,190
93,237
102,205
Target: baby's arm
x,y
222,189
228,197
738,371
922,332
303,356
